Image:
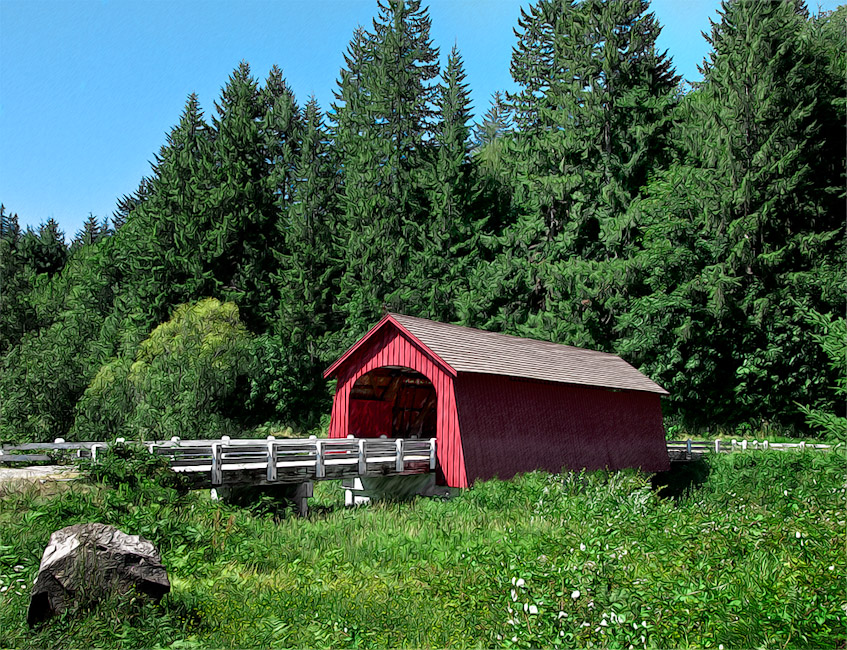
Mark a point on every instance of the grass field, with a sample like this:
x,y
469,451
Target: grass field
x,y
753,557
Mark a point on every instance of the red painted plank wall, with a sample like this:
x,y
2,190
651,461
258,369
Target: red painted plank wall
x,y
390,347
511,426
368,418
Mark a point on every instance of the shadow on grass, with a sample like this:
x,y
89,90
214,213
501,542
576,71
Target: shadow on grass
x,y
681,479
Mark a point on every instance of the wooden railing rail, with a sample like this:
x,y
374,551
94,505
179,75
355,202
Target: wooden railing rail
x,y
691,449
269,460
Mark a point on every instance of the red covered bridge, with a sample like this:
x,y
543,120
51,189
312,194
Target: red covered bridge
x,y
497,405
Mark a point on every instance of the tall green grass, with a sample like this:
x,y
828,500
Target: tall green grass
x,y
754,557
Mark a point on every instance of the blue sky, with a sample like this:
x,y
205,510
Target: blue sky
x,y
88,89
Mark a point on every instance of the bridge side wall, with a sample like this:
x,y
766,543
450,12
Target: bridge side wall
x,y
388,346
510,426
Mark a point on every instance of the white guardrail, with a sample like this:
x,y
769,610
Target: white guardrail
x,y
693,448
301,458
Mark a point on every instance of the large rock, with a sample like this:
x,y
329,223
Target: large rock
x,y
89,562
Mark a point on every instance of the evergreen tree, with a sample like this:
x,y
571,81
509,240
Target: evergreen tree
x,y
44,251
161,246
591,114
748,214
92,232
290,358
440,269
129,202
382,126
17,315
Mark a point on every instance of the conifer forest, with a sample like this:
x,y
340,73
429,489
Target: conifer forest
x,y
697,230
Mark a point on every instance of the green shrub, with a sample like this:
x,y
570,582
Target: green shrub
x,y
189,378
134,467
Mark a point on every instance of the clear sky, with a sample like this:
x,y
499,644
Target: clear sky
x,y
89,88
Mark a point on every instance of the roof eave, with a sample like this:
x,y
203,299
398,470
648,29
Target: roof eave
x,y
372,331
331,370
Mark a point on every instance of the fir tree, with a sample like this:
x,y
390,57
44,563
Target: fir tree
x,y
382,124
92,231
293,354
748,214
451,246
591,112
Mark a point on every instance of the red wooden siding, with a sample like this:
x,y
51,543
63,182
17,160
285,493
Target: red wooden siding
x,y
389,346
511,426
368,418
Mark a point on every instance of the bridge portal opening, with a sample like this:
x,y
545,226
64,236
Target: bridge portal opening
x,y
393,401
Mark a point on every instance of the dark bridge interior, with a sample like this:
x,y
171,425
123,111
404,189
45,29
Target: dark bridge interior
x,y
393,401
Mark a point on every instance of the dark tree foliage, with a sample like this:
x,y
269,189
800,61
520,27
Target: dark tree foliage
x,y
744,233
590,117
382,122
293,353
17,315
92,232
699,233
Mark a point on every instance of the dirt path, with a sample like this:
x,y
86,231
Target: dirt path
x,y
40,474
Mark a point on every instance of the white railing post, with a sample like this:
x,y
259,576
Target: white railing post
x,y
688,449
271,462
743,445
734,441
217,462
802,445
764,444
717,446
363,461
94,449
320,469
432,455
399,466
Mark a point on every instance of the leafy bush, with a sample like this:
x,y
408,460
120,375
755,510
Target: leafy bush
x,y
133,466
189,378
832,338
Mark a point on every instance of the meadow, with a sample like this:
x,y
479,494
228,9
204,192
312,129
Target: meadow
x,y
738,551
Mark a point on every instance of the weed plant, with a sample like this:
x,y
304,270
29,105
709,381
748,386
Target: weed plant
x,y
753,557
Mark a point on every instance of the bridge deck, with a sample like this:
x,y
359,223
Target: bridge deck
x,y
271,461
265,462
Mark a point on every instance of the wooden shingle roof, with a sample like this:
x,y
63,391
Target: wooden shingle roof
x,y
465,349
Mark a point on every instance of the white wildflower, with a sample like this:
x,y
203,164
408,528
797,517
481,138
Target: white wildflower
x,y
526,607
513,580
575,594
514,639
582,547
604,623
720,647
562,614
18,568
520,583
831,567
533,610
798,535
514,595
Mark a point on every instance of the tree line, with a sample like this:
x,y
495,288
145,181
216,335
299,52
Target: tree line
x,y
695,229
